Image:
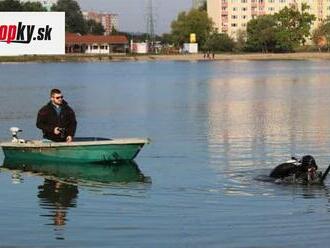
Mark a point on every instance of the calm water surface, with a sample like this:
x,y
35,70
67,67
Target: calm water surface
x,y
216,128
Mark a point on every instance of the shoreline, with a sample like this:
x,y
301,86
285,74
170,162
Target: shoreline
x,y
179,57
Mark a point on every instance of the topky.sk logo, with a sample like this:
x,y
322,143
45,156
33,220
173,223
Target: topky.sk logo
x,y
21,33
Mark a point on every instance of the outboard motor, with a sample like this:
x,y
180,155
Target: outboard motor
x,y
14,132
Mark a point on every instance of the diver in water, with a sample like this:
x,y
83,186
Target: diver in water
x,y
303,170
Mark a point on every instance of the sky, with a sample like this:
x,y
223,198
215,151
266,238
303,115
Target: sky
x,y
132,13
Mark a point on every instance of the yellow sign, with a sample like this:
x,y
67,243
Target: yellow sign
x,y
192,38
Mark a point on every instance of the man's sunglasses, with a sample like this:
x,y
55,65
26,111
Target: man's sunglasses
x,y
59,97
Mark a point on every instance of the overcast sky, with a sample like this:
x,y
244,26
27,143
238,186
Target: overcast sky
x,y
132,13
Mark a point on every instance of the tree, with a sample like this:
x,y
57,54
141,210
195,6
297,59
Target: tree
x,y
293,27
241,38
33,6
321,35
114,31
195,21
167,39
15,5
74,21
219,42
10,5
203,7
281,32
94,27
261,33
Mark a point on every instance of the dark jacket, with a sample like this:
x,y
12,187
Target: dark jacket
x,y
48,119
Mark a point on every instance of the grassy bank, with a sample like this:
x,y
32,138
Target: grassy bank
x,y
188,57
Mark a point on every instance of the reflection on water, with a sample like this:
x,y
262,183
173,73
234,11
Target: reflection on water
x,y
125,171
57,197
59,191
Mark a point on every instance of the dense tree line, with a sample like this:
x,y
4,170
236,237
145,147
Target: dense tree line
x,y
281,32
284,31
16,5
195,21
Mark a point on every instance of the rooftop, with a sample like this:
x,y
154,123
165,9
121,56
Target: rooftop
x,y
71,38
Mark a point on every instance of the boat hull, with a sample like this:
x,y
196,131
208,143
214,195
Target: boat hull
x,y
84,153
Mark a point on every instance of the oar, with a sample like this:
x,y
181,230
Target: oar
x,y
324,176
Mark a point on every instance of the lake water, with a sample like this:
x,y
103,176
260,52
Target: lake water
x,y
216,129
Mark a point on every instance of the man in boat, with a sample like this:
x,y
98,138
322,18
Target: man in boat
x,y
303,170
57,119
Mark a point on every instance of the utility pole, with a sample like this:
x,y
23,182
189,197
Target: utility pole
x,y
150,24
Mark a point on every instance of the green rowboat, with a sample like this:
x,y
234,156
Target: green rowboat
x,y
81,150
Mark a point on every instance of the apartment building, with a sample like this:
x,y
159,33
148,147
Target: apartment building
x,y
230,16
108,20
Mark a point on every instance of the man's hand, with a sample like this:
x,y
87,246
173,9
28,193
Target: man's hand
x,y
57,131
69,139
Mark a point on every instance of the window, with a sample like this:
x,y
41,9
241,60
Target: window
x,y
234,25
95,47
233,17
244,9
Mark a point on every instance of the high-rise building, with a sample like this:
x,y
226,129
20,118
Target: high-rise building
x,y
45,3
109,21
198,3
230,16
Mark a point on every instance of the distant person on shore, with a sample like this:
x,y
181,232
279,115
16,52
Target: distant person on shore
x,y
57,119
